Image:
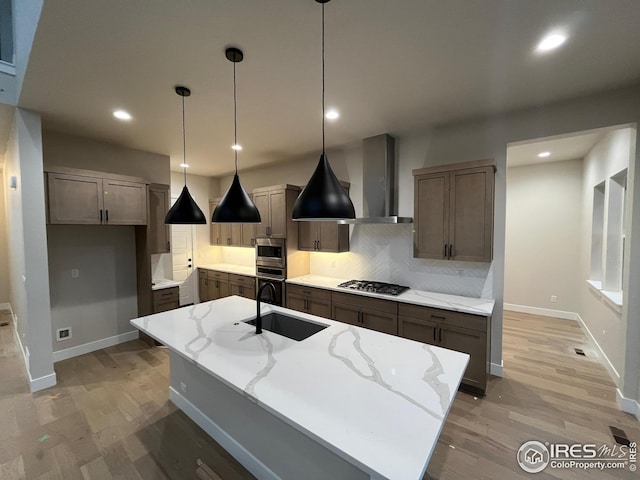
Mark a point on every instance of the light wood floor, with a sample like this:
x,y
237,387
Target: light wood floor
x,y
110,417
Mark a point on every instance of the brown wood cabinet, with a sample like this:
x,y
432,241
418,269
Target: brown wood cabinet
x,y
275,204
217,284
159,232
203,285
453,330
314,301
324,236
220,232
166,299
87,197
453,211
242,285
376,314
231,234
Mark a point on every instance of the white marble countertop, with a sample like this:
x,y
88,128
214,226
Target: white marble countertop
x,y
231,268
477,306
379,401
161,283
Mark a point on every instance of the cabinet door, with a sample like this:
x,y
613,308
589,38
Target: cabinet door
x,y
158,231
125,203
473,343
471,224
249,291
262,203
431,211
235,289
248,235
203,286
296,302
307,235
346,313
236,234
278,213
379,321
225,234
418,329
214,228
223,289
74,199
321,308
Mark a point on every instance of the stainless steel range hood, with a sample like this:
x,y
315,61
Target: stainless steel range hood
x,y
378,182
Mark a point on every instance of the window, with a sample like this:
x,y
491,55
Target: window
x,y
6,32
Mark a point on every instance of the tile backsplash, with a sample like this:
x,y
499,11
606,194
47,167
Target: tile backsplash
x,y
385,253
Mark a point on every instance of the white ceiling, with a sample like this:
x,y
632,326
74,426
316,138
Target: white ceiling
x,y
391,67
565,148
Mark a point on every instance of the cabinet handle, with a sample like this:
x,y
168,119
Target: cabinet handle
x,y
228,241
438,317
106,213
435,331
450,251
217,284
440,335
217,240
206,282
100,215
253,242
445,251
169,247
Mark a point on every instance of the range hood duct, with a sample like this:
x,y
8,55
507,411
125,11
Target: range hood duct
x,y
378,182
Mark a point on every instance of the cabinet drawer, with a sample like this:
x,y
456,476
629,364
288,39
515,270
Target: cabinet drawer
x,y
456,319
316,293
367,303
221,276
243,280
202,273
166,295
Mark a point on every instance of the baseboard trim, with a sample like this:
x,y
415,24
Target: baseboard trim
x,y
93,346
546,312
628,405
235,449
607,363
40,383
496,369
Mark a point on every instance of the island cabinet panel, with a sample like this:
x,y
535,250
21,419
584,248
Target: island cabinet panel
x,y
158,232
275,204
453,210
315,301
86,197
166,299
372,313
242,285
218,284
453,330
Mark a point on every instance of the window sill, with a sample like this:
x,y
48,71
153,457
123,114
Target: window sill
x,y
615,299
7,68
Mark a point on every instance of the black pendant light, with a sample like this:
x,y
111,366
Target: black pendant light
x,y
323,198
235,206
185,211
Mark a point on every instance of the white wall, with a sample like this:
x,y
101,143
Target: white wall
x,y
544,235
102,300
29,282
4,258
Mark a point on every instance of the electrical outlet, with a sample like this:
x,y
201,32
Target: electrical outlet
x,y
183,387
75,273
554,298
63,334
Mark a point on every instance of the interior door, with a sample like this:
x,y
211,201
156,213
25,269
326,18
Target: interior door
x,y
182,256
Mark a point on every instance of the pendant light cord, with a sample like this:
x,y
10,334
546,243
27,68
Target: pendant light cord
x,y
323,152
235,120
184,146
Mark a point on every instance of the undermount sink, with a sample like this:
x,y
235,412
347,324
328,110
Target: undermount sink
x,y
290,327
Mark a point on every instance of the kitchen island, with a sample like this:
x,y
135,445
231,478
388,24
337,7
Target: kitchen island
x,y
346,402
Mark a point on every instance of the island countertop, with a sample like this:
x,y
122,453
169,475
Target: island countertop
x,y
378,401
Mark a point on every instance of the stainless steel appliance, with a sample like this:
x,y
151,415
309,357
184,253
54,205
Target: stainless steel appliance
x,y
374,287
271,252
271,256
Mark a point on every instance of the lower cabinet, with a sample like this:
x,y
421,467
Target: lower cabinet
x,y
217,285
314,301
166,299
373,313
453,330
242,285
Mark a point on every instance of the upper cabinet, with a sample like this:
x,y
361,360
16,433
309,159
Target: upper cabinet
x,y
275,205
92,198
453,211
231,234
159,233
220,232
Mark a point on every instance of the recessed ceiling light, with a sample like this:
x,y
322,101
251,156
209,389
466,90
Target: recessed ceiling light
x,y
544,154
236,147
332,114
184,165
551,42
122,115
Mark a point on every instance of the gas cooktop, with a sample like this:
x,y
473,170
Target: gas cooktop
x,y
374,287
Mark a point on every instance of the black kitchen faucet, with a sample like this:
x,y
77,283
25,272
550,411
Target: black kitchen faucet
x,y
258,296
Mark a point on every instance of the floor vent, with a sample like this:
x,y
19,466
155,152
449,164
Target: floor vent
x,y
619,435
580,352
